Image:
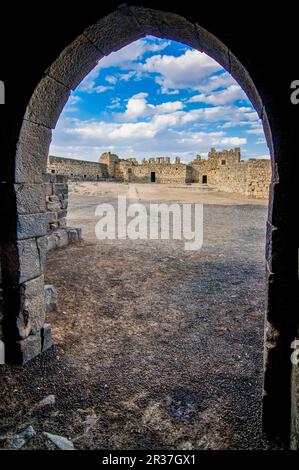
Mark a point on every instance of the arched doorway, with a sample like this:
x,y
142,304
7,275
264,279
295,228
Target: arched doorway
x,y
26,242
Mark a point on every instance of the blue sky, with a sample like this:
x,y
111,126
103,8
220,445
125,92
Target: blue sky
x,y
157,97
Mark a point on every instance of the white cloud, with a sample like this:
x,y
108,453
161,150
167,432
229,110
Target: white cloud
x,y
216,81
115,103
184,71
111,79
102,89
125,59
256,131
226,96
138,106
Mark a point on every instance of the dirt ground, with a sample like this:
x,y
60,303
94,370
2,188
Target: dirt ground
x,y
155,347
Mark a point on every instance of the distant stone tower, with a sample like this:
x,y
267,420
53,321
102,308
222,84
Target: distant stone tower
x,y
111,160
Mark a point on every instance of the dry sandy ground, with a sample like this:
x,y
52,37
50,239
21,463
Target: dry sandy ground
x,y
156,347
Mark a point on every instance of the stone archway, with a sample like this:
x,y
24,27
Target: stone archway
x,y
25,334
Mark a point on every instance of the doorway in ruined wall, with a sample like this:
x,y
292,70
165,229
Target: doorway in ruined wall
x,y
63,76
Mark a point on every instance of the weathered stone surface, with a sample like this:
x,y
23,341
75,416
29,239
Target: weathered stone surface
x,y
114,31
32,153
75,62
32,225
213,47
53,198
30,198
47,102
64,203
32,309
50,298
76,169
241,75
28,348
74,235
225,170
175,27
21,260
53,206
61,238
61,442
51,241
62,222
19,440
46,337
45,402
146,20
42,244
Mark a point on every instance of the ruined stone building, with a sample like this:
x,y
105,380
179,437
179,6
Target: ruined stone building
x,y
30,117
224,170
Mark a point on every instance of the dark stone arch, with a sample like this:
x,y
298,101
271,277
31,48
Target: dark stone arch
x,y
24,243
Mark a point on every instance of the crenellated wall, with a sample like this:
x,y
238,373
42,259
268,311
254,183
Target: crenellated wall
x,y
229,173
225,170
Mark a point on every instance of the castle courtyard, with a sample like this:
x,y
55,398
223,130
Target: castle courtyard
x,y
155,347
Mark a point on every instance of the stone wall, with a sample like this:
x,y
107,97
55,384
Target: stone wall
x,y
228,173
160,173
224,169
56,194
77,170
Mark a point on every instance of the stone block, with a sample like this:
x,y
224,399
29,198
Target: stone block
x,y
62,214
175,27
146,20
30,197
50,298
51,242
42,245
47,102
54,225
28,348
32,153
21,260
61,238
60,188
46,336
32,225
62,222
74,235
114,31
53,198
53,206
64,203
48,189
60,179
32,307
75,62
